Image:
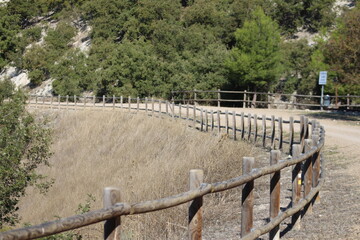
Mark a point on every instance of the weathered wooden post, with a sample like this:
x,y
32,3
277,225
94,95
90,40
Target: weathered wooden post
x,y
201,120
59,99
249,126
112,227
280,129
160,103
269,100
291,134
113,102
121,102
206,121
146,105
308,172
296,185
316,165
152,107
167,107
195,208
244,101
173,110
94,101
347,101
218,121
227,122
67,102
75,102
194,118
187,112
302,131
103,102
247,198
255,128
195,96
137,104
219,98
212,120
263,118
242,123
272,132
129,100
180,110
234,125
274,234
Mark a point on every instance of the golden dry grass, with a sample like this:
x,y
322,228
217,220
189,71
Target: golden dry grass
x,y
148,158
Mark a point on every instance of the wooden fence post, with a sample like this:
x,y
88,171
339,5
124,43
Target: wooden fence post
x,y
103,102
195,208
152,107
272,132
302,131
280,126
234,125
291,134
227,122
160,103
316,166
67,102
194,118
59,99
249,126
347,101
269,100
121,102
146,105
112,227
75,102
308,168
212,120
129,100
201,120
263,118
94,101
137,104
218,121
244,101
242,123
247,198
167,107
255,128
296,185
113,102
195,97
274,234
219,97
206,121
306,128
187,112
180,110
173,110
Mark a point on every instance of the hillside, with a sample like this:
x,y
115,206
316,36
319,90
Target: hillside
x,y
148,48
148,158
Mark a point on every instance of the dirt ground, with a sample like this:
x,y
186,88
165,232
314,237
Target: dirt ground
x,y
338,214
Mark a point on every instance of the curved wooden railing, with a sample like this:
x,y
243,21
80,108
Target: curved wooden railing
x,y
306,163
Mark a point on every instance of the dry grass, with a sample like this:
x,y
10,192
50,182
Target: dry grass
x,y
148,158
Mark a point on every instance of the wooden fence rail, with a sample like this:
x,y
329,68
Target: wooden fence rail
x,y
265,99
304,145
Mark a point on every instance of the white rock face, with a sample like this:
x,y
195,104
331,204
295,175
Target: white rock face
x,y
18,77
45,89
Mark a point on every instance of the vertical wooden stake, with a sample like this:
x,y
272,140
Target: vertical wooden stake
x,y
75,102
218,121
274,234
227,122
308,167
272,132
255,128
201,120
113,102
234,125
242,123
296,185
167,107
212,120
152,107
180,110
347,101
280,129
112,227
121,102
263,119
187,112
302,131
291,134
59,99
219,98
195,209
247,198
94,101
146,105
129,103
137,104
244,101
249,126
67,102
194,116
103,102
173,110
316,166
306,128
206,121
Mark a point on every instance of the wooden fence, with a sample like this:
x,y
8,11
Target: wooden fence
x,y
304,140
270,100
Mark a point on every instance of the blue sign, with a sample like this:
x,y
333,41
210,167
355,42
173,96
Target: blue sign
x,y
322,78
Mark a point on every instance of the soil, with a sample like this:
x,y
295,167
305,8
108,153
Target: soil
x,y
337,216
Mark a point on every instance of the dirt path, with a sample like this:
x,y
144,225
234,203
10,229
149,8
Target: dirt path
x,y
338,215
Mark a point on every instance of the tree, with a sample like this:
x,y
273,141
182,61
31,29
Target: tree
x,y
24,145
254,62
342,51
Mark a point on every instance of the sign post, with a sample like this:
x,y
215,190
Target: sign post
x,y
322,82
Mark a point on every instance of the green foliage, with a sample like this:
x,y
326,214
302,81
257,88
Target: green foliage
x,y
342,52
24,145
254,62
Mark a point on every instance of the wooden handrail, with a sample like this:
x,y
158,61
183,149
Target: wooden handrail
x,y
121,209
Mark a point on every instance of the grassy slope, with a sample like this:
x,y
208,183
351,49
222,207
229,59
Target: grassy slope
x,y
146,157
